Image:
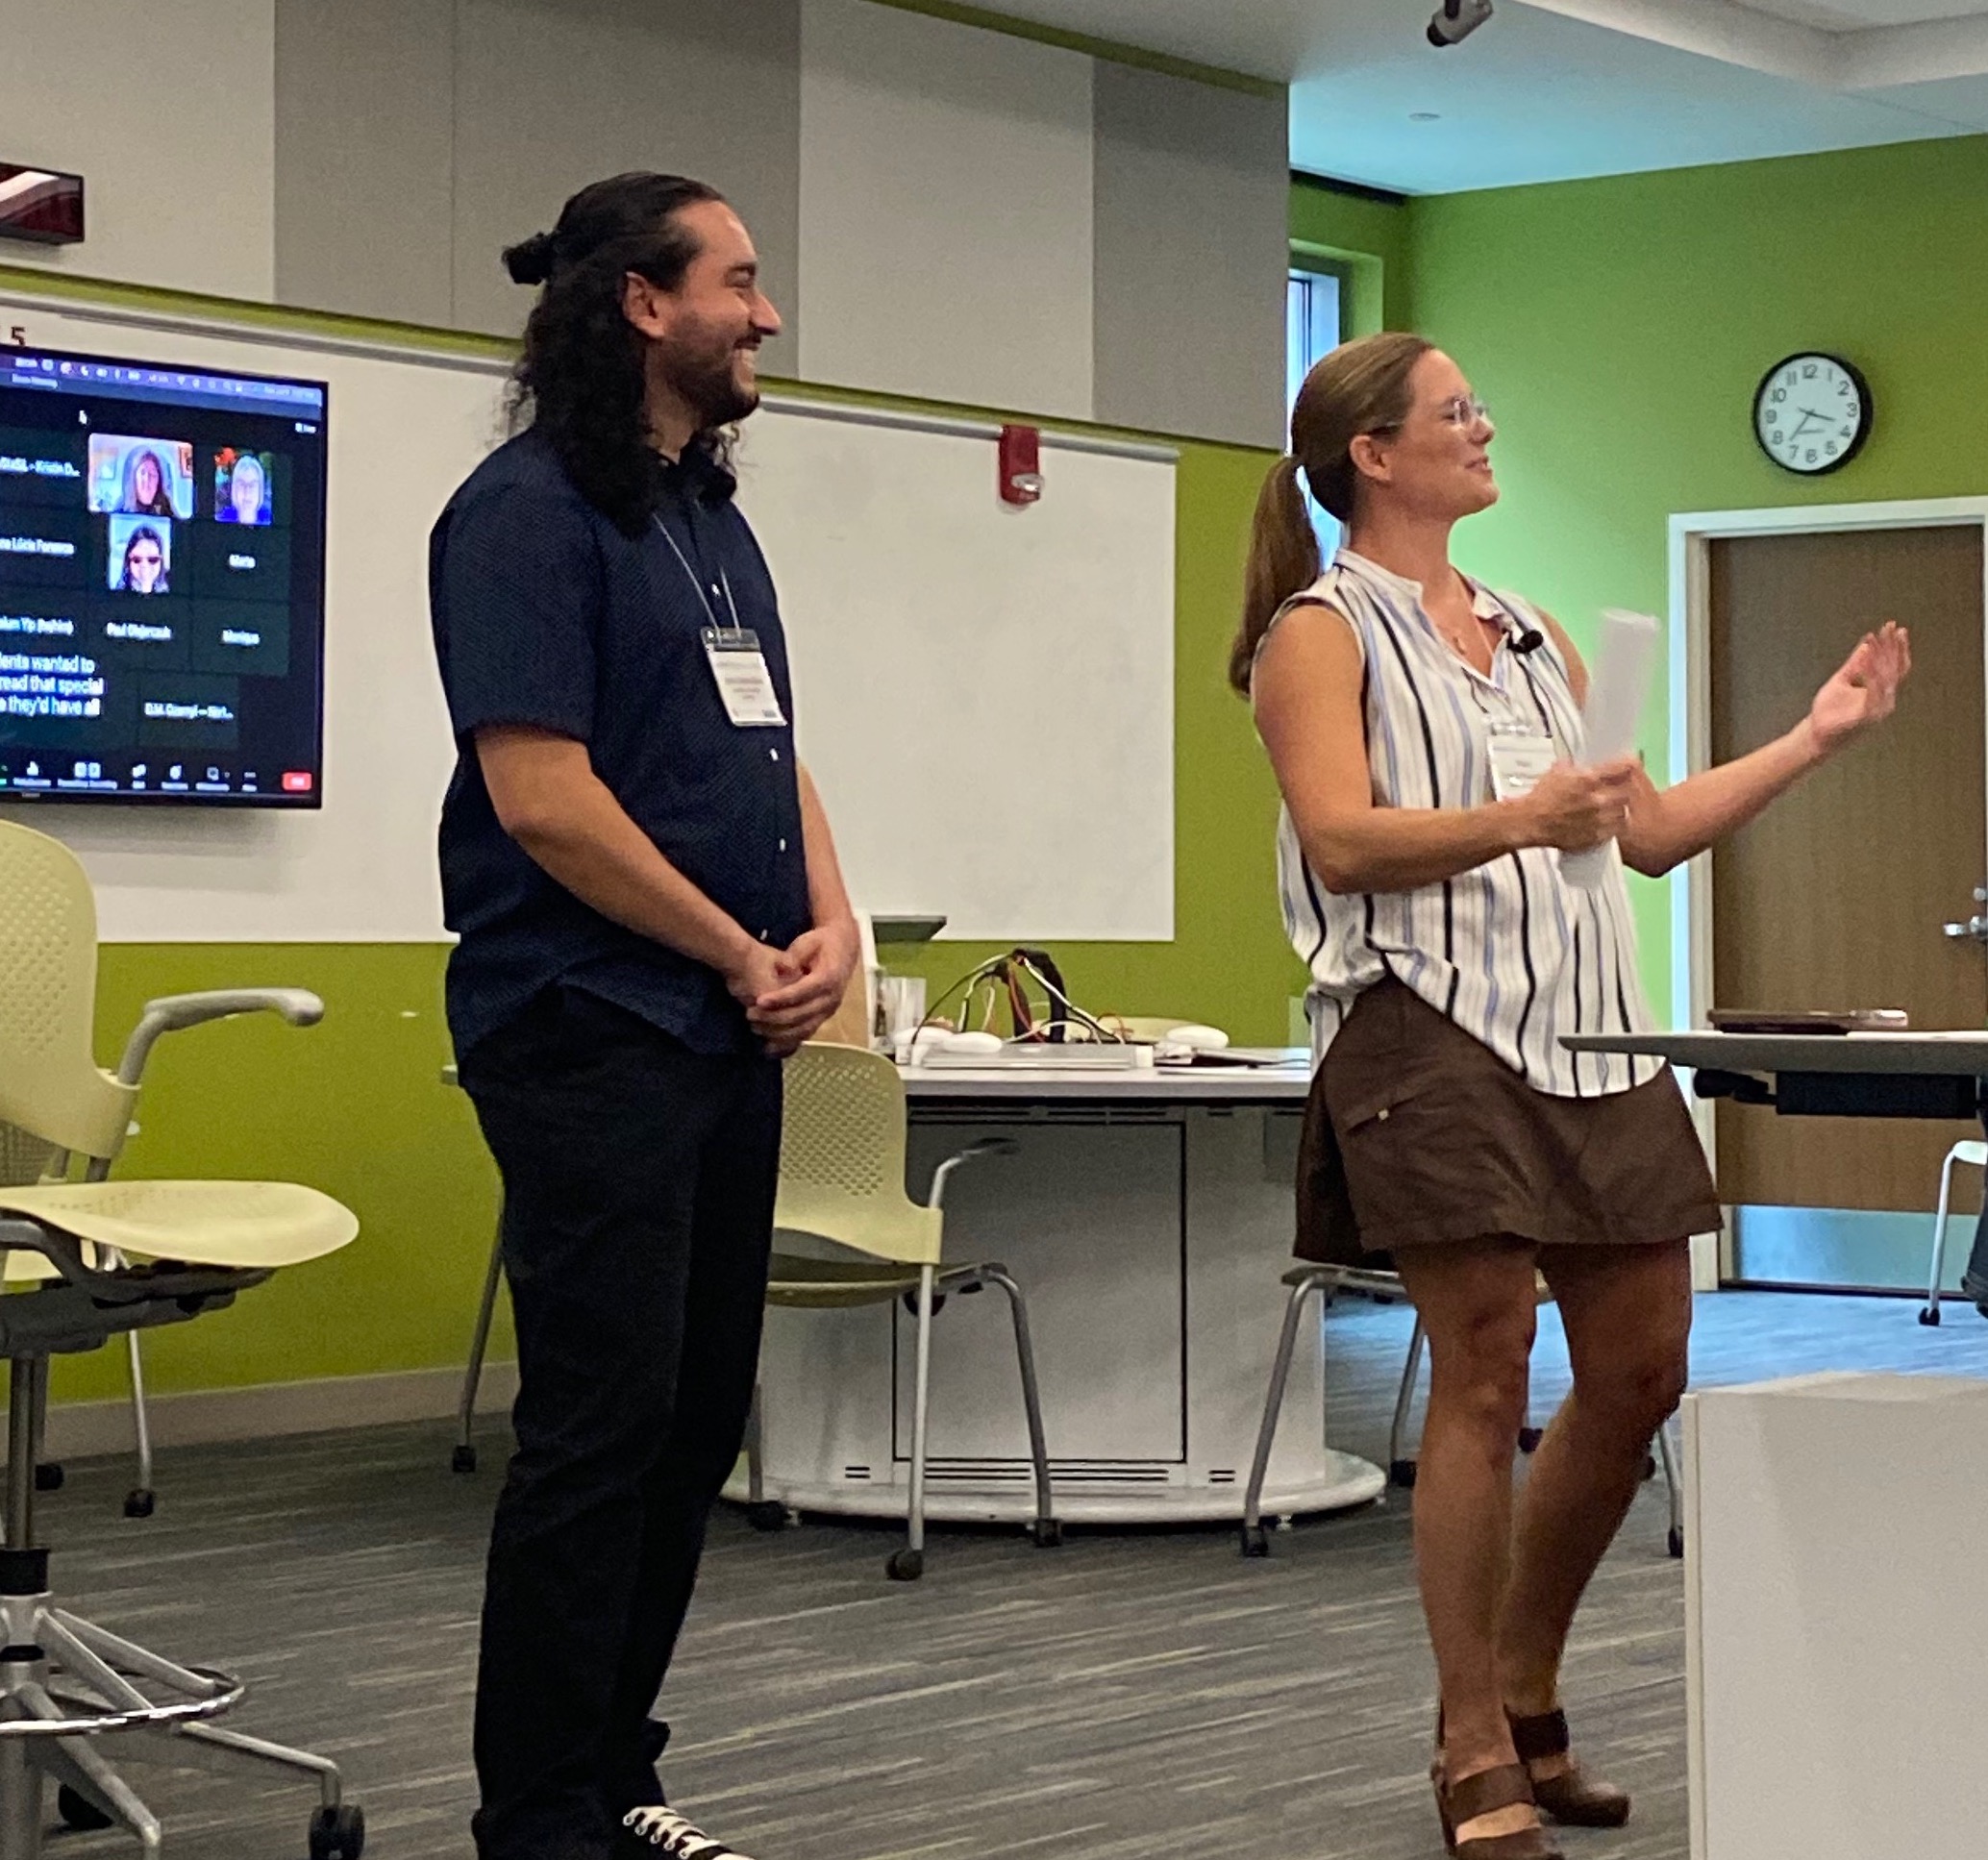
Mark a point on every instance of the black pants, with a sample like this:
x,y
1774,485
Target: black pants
x,y
639,1181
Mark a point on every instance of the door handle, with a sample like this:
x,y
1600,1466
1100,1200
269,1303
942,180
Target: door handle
x,y
1975,928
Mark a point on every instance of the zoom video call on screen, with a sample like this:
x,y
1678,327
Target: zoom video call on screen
x,y
162,582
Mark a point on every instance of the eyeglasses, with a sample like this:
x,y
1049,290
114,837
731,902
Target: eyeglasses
x,y
1465,411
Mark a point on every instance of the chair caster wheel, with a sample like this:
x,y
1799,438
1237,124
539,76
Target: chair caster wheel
x,y
1676,1541
904,1566
1529,1439
49,1476
338,1833
79,1812
463,1459
1047,1533
768,1514
1255,1541
1401,1472
1930,1316
140,1503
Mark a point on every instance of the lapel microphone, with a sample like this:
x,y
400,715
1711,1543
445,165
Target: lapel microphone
x,y
1528,640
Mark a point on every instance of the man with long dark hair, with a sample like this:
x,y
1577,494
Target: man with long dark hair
x,y
651,916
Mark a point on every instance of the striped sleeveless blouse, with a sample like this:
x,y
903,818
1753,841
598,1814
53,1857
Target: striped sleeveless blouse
x,y
1509,950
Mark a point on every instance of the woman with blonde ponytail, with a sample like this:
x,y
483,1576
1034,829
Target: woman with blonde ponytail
x,y
1426,737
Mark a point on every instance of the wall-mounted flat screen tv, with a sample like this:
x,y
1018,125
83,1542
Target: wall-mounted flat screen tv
x,y
162,583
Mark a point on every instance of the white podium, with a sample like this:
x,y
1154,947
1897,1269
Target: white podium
x,y
1837,1644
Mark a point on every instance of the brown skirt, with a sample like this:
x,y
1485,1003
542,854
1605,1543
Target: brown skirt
x,y
1417,1134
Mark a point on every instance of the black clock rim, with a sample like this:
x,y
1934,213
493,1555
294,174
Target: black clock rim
x,y
1866,413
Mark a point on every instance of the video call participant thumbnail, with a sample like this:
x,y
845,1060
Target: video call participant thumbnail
x,y
141,477
244,488
140,554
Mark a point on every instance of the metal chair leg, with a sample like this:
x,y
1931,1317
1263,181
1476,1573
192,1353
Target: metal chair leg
x,y
139,1502
907,1565
1668,1454
1046,1530
463,1459
762,1512
48,1473
755,1457
1253,1542
78,1763
1938,1271
1400,1468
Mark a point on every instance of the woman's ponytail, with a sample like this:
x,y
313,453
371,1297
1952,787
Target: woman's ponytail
x,y
1283,561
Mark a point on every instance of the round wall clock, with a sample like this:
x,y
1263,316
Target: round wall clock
x,y
1812,413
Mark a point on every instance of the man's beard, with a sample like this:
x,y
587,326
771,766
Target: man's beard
x,y
704,377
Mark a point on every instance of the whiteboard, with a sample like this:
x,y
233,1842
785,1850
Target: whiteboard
x,y
984,695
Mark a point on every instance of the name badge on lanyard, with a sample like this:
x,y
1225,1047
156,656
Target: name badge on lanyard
x,y
739,669
1519,757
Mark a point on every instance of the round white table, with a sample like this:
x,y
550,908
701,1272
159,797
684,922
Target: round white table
x,y
1147,1216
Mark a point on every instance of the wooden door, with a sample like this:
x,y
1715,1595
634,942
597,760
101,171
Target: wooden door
x,y
1835,897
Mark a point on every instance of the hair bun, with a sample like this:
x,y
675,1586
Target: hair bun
x,y
530,261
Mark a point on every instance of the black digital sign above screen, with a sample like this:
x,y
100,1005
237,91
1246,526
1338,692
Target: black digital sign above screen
x,y
40,205
162,583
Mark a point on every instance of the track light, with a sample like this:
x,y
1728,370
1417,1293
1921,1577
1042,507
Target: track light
x,y
1457,20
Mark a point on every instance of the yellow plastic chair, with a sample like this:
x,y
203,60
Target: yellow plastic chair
x,y
842,1180
84,1261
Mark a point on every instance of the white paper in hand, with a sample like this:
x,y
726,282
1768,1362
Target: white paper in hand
x,y
1624,660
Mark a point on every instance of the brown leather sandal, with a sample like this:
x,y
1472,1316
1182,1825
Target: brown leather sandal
x,y
1461,1804
1576,1799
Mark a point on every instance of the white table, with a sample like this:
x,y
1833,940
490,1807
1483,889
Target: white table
x,y
1836,1653
1147,1216
1834,1660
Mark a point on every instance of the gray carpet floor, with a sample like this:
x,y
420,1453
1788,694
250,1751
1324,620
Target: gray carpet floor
x,y
1130,1694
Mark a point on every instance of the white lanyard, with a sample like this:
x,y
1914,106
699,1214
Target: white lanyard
x,y
738,667
697,581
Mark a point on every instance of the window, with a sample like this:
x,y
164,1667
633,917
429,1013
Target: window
x,y
1311,320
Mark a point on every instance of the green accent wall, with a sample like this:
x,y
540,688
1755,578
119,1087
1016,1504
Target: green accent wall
x,y
1618,328
1366,240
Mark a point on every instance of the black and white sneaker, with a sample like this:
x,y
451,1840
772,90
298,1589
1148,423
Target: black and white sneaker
x,y
663,1831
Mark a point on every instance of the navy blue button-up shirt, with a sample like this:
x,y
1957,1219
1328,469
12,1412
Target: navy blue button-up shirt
x,y
546,615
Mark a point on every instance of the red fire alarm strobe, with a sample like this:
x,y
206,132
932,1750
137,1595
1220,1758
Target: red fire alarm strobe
x,y
1021,465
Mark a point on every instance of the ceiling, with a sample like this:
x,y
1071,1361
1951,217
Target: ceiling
x,y
1550,89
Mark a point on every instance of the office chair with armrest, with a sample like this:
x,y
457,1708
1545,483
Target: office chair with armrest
x,y
26,1161
842,1180
85,1260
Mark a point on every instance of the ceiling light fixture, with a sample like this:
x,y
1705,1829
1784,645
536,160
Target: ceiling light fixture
x,y
1457,20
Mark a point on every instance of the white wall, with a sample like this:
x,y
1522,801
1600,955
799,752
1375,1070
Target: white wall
x,y
167,109
946,211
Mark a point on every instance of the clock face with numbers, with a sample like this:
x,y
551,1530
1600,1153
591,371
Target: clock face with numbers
x,y
1812,413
